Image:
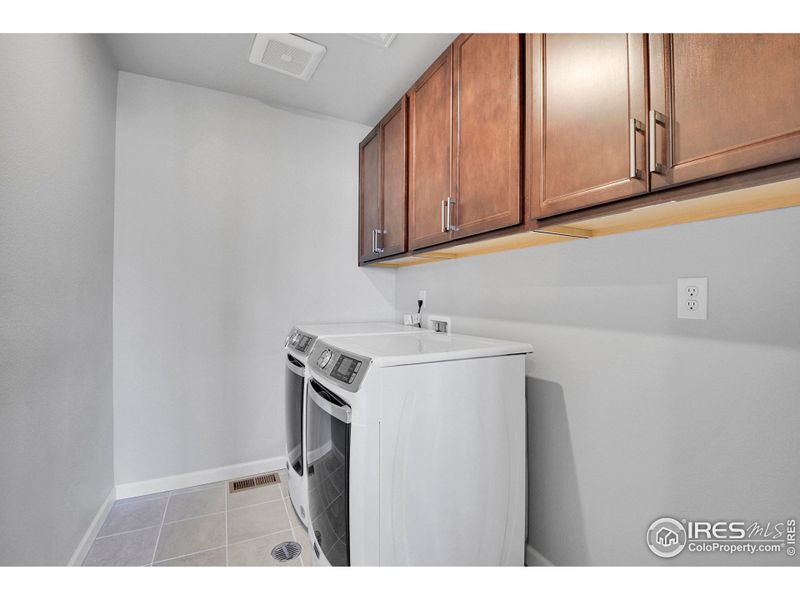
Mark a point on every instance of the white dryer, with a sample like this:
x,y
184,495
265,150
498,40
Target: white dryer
x,y
299,344
416,450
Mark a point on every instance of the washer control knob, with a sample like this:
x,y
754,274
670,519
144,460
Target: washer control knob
x,y
295,337
324,358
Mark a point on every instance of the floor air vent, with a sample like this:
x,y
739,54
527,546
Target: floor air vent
x,y
286,551
248,483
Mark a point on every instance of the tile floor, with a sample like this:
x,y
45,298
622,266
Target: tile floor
x,y
200,526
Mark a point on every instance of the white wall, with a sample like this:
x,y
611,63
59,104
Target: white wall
x,y
234,220
57,103
633,414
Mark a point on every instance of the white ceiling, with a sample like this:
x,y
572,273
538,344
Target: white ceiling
x,y
356,81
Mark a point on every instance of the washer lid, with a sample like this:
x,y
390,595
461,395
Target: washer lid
x,y
393,350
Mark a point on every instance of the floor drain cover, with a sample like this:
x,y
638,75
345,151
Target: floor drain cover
x,y
286,551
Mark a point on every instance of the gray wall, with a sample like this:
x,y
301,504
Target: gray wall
x,y
633,414
57,103
234,220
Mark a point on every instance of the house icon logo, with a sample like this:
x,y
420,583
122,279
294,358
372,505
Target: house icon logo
x,y
666,537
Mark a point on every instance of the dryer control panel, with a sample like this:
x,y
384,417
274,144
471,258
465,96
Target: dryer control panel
x,y
347,370
300,342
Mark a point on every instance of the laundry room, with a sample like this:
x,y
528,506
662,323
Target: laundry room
x,y
521,297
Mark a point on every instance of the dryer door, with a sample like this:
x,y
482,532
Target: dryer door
x,y
329,474
295,388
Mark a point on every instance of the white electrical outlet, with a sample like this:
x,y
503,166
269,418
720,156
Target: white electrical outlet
x,y
693,298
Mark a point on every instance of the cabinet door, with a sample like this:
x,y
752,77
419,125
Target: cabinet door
x,y
430,122
587,120
394,180
727,103
369,201
487,130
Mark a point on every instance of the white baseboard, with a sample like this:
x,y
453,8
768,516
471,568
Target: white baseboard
x,y
534,558
174,482
88,538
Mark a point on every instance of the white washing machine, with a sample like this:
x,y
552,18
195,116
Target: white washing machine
x,y
416,450
299,344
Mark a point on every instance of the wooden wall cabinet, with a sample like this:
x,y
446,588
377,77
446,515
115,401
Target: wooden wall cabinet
x,y
430,120
718,104
465,141
383,166
587,113
681,127
369,196
724,103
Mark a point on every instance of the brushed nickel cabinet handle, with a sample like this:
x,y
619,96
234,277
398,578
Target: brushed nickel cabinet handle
x,y
660,119
374,241
451,204
636,125
445,219
380,249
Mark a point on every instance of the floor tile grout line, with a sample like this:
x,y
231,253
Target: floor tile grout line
x,y
211,514
164,522
145,498
286,507
294,537
265,535
190,554
158,537
124,503
110,535
289,517
178,492
200,488
254,504
216,512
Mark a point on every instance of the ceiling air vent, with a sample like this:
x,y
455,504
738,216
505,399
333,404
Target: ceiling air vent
x,y
286,53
